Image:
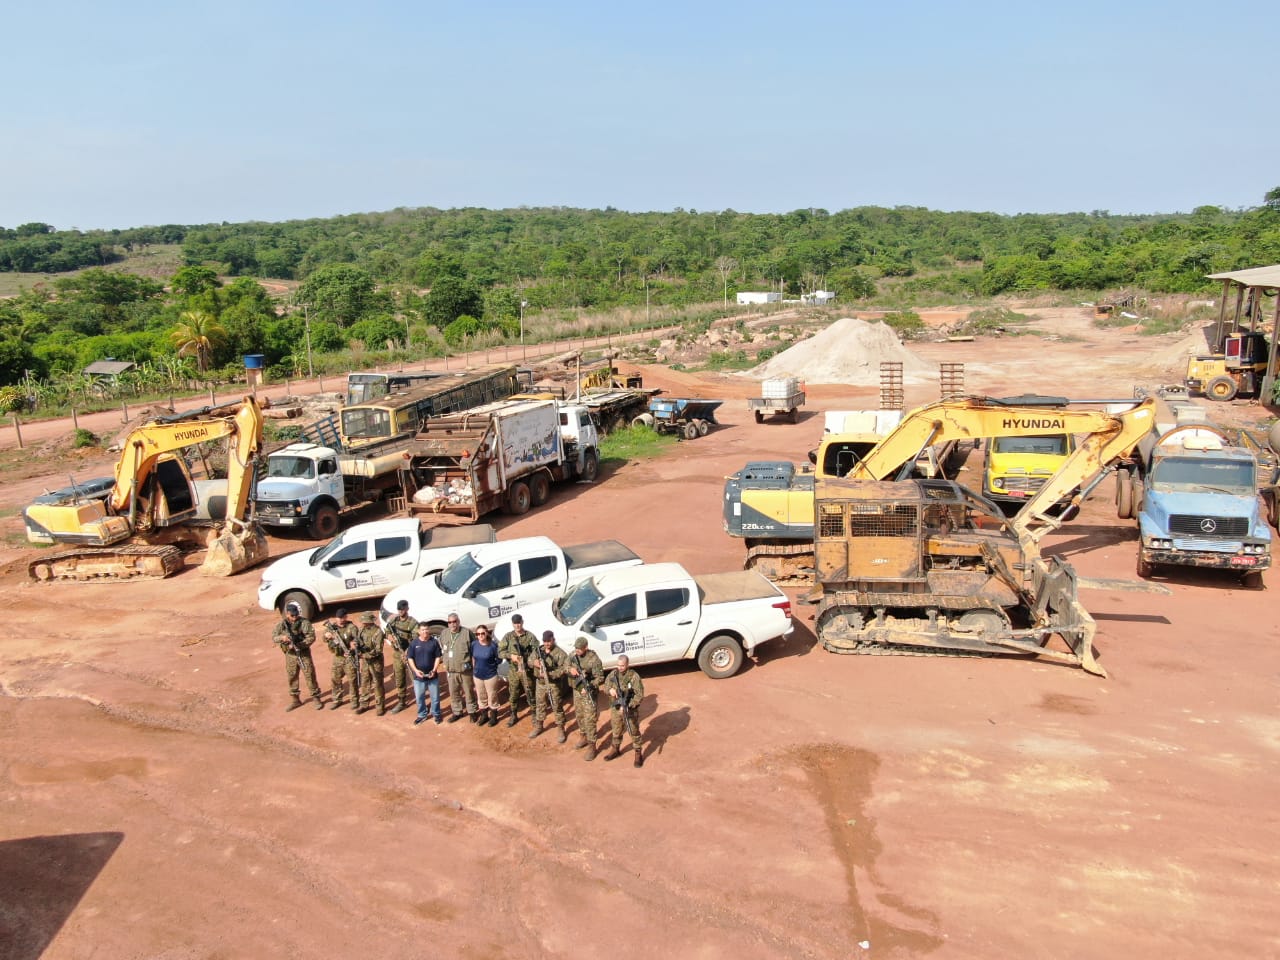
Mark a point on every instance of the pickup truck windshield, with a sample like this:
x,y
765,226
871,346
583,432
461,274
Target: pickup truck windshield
x,y
325,552
453,577
1054,446
1190,474
297,468
575,604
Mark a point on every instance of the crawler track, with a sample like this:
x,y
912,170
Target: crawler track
x,y
124,562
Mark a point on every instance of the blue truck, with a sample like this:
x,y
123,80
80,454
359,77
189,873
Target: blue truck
x,y
1195,496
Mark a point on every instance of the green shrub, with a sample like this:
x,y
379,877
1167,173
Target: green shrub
x,y
84,439
906,323
12,400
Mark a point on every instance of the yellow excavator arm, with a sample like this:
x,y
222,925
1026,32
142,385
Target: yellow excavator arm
x,y
972,418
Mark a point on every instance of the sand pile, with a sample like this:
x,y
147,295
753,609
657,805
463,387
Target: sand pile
x,y
848,351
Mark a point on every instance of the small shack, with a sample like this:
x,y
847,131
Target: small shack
x,y
749,297
107,371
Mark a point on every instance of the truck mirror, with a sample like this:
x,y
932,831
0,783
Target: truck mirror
x,y
589,626
470,593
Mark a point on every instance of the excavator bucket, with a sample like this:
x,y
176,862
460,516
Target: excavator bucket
x,y
239,546
1060,605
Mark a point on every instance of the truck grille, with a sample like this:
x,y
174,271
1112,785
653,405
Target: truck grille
x,y
1194,526
1022,484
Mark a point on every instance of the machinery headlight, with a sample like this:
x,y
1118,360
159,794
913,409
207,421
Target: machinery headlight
x,y
297,509
1161,544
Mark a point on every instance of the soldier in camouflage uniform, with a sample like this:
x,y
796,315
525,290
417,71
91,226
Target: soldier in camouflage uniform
x,y
516,647
369,646
550,668
626,690
455,648
341,636
586,673
402,630
295,635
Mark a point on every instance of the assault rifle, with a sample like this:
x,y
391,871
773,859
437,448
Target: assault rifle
x,y
622,701
582,681
348,654
293,638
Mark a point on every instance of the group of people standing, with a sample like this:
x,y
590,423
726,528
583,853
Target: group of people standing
x,y
538,672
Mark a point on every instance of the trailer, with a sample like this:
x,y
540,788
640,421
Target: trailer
x,y
779,397
616,407
689,417
501,456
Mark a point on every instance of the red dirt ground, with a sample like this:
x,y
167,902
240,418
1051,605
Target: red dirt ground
x,y
159,803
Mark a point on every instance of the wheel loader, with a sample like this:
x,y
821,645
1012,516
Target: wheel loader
x,y
132,528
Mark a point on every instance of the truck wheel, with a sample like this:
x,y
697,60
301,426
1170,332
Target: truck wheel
x,y
1269,502
539,489
324,523
306,605
690,431
1124,496
703,427
590,466
518,499
720,657
1137,494
1221,388
794,415
1145,567
759,416
1252,580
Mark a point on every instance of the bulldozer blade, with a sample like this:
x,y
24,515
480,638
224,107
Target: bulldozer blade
x,y
237,548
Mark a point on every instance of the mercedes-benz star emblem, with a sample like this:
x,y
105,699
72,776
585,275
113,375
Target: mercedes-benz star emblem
x,y
1208,525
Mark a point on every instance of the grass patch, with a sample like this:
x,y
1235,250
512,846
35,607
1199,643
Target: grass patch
x,y
635,443
907,324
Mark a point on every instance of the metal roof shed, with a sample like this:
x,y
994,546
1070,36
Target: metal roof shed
x,y
1253,284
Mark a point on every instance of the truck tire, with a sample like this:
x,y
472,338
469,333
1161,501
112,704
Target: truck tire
x,y
794,415
1221,388
1269,503
759,416
720,657
1139,493
518,499
1145,568
306,605
590,466
1252,580
324,523
539,489
690,431
703,427
1124,496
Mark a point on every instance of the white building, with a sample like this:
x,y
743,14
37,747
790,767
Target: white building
x,y
758,297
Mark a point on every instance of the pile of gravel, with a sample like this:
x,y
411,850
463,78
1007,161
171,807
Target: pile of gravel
x,y
849,351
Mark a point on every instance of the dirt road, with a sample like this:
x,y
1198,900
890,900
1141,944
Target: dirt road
x,y
158,802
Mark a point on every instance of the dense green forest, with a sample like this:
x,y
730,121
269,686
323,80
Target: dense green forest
x,y
437,277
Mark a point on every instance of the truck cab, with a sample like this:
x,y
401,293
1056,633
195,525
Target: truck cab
x,y
300,480
1014,468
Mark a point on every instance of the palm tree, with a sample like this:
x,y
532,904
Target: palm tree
x,y
198,334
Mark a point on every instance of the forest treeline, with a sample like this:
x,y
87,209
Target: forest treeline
x,y
383,276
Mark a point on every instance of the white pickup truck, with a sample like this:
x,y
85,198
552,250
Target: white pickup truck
x,y
496,579
658,612
365,561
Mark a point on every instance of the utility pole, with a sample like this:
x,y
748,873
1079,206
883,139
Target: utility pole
x,y
306,319
523,355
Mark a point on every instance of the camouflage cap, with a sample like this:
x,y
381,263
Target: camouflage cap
x,y
516,618
580,643
292,607
402,604
368,617
548,635
340,612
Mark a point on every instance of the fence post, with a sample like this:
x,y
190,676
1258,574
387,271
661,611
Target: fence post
x,y
171,403
18,430
124,409
75,421
213,401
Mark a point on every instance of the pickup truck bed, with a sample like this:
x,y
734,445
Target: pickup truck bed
x,y
457,536
738,585
597,554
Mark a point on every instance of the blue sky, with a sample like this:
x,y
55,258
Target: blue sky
x,y
146,113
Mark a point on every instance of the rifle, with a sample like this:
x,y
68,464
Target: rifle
x,y
519,659
582,681
293,638
542,664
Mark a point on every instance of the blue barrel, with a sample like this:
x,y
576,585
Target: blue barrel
x,y
254,361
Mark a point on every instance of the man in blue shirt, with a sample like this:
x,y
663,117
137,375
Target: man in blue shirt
x,y
423,660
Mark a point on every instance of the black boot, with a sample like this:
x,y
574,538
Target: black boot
x,y
511,720
639,758
493,718
475,716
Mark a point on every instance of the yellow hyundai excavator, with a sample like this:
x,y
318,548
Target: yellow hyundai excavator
x,y
128,529
927,566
